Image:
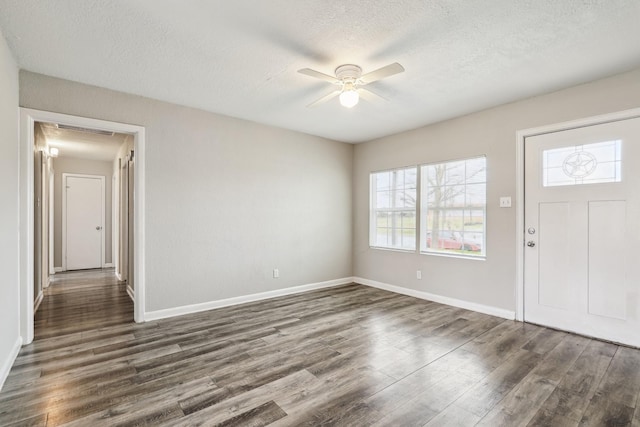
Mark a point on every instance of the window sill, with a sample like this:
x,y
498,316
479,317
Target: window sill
x,y
460,256
382,248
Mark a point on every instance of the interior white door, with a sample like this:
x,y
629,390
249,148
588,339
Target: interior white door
x,y
582,230
84,221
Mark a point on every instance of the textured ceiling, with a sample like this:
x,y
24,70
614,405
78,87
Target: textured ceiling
x,y
240,58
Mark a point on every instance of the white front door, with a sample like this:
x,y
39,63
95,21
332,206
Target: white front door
x,y
582,230
84,221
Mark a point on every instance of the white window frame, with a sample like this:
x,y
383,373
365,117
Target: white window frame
x,y
424,212
373,211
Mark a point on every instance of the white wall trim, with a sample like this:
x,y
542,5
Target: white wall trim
x,y
131,294
28,117
521,135
5,368
52,177
57,269
210,305
139,272
108,265
480,308
38,301
102,179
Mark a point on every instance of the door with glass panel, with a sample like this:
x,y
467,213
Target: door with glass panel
x,y
582,230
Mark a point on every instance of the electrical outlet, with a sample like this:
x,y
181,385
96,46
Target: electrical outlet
x,y
276,273
505,202
419,274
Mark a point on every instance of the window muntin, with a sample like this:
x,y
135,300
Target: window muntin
x,y
393,209
453,209
595,163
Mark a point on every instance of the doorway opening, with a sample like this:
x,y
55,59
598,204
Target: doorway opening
x,y
74,222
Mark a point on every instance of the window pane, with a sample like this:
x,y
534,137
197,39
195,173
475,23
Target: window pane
x,y
453,207
409,196
453,196
409,238
383,199
383,180
477,170
393,214
476,195
381,237
411,178
455,172
409,220
382,219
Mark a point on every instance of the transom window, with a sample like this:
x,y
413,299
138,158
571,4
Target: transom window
x,y
596,163
393,209
453,218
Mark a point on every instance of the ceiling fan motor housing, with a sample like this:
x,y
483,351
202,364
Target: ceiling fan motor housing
x,y
348,72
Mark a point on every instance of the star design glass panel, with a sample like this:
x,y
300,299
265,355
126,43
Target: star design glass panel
x,y
596,163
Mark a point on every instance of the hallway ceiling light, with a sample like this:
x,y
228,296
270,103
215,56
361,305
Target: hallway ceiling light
x,y
86,130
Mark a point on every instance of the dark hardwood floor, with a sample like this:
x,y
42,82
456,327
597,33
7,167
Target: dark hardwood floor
x,y
350,356
83,300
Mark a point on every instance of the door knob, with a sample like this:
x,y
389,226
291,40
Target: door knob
x,y
98,228
531,243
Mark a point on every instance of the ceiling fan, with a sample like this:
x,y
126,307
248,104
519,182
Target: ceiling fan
x,y
350,82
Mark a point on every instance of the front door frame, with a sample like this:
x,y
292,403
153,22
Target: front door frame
x,y
521,135
28,117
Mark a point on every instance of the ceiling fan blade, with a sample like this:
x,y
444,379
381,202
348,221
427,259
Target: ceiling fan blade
x,y
370,96
319,75
324,98
381,73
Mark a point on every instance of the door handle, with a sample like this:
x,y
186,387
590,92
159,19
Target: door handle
x,y
531,243
98,228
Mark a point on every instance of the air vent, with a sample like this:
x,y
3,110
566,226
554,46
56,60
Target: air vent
x,y
86,130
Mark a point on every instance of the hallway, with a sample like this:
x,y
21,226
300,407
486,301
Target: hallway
x,y
78,301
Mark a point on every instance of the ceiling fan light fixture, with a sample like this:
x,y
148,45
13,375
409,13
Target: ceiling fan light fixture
x,y
349,98
349,79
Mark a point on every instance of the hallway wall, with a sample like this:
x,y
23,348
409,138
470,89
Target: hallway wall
x,y
9,212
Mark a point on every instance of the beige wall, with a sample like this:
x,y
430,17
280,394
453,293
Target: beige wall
x,y
492,133
9,209
86,167
226,200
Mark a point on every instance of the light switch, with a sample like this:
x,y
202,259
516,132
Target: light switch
x,y
505,202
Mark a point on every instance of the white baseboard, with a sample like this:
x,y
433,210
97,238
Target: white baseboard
x,y
119,276
5,368
486,309
37,302
194,308
58,269
108,265
131,294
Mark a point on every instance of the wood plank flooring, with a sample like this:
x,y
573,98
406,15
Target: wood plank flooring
x,y
83,300
346,356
